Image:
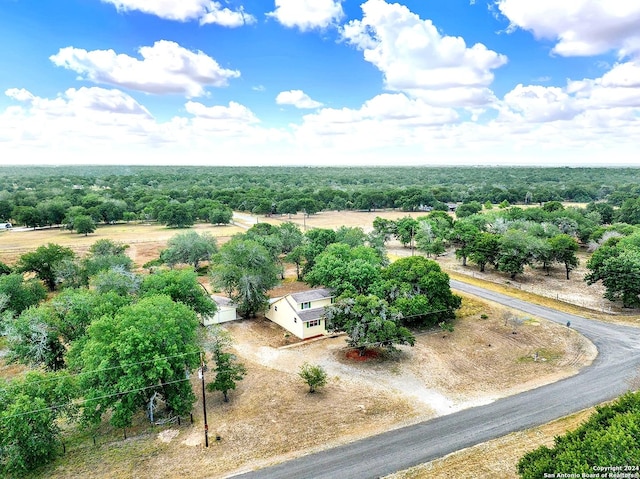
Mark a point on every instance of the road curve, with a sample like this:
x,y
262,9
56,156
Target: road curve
x,y
606,378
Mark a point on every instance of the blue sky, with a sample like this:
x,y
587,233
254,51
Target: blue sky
x,y
320,82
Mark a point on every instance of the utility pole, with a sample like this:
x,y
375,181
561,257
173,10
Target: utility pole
x,y
204,404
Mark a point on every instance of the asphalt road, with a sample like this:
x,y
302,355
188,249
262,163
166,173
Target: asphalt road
x,y
606,378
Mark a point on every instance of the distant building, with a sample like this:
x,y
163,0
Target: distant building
x,y
301,313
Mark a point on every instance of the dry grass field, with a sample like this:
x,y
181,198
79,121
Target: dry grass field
x,y
271,417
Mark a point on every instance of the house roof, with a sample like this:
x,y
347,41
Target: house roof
x,y
222,301
311,295
307,315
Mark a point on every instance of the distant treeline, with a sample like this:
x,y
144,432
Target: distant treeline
x,y
42,195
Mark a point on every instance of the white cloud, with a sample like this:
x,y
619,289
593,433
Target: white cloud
x,y
415,58
165,68
385,120
297,98
206,11
540,104
588,121
235,111
589,102
307,14
580,27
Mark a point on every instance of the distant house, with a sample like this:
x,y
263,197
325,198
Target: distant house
x,y
226,312
301,313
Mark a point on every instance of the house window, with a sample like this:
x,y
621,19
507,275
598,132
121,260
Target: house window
x,y
306,305
276,308
312,323
333,299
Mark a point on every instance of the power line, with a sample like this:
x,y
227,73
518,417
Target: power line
x,y
112,367
82,401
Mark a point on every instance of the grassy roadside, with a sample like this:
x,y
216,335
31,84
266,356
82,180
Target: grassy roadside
x,y
632,320
496,458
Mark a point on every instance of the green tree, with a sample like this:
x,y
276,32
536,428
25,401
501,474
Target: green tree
x,y
176,215
228,369
515,252
221,215
27,215
463,235
484,249
84,225
468,209
189,247
406,228
144,349
43,261
316,240
369,322
563,250
181,286
290,236
117,280
245,271
288,207
313,375
34,341
609,436
29,432
21,294
5,269
419,289
343,268
629,211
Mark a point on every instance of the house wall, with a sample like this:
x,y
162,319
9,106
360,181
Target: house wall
x,y
222,315
283,314
314,330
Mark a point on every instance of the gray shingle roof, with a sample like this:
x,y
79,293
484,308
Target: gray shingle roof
x,y
311,295
222,301
307,315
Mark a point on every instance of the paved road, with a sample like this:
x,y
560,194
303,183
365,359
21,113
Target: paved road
x,y
606,378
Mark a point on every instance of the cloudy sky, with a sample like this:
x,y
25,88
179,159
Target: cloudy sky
x,y
320,82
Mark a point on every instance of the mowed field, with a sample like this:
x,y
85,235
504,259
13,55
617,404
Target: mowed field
x,y
271,417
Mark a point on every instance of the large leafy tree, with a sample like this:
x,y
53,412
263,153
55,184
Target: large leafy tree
x,y
220,215
20,294
181,286
563,250
29,409
484,249
43,262
515,252
41,335
189,247
405,230
83,225
245,270
316,240
33,339
419,290
609,437
176,215
145,348
464,233
617,264
369,322
344,268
